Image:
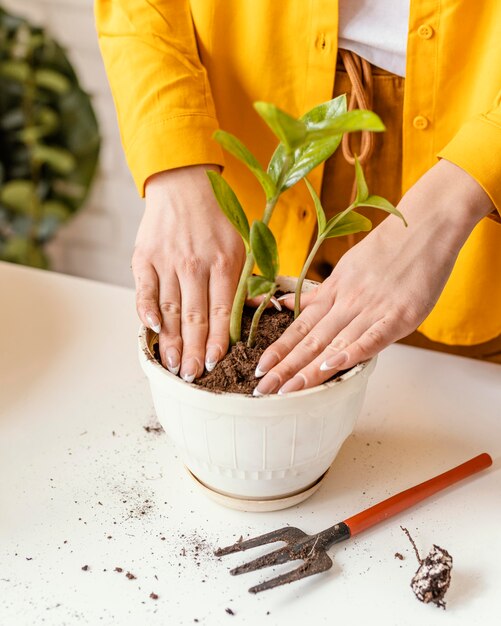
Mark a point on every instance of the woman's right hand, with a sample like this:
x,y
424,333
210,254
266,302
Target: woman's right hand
x,y
186,264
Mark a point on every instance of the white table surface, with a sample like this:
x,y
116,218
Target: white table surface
x,y
83,483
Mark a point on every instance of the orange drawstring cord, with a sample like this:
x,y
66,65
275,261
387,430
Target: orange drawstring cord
x,y
360,74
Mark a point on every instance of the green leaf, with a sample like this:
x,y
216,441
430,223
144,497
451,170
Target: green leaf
x,y
235,147
56,209
264,249
25,252
15,70
19,196
381,203
326,111
311,154
47,122
321,219
58,159
230,205
349,122
362,189
257,285
290,131
349,224
52,80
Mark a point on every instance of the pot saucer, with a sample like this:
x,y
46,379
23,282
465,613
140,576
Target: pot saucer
x,y
253,505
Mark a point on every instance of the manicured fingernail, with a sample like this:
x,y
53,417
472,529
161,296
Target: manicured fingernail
x,y
294,384
268,385
265,364
172,358
153,322
257,393
212,357
285,296
334,362
276,304
189,370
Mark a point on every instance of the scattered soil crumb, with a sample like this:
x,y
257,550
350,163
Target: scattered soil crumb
x,y
153,596
155,428
85,568
399,556
119,569
229,611
130,576
433,576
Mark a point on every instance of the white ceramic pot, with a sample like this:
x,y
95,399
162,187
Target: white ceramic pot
x,y
263,448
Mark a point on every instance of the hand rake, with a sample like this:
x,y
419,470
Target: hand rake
x,y
312,549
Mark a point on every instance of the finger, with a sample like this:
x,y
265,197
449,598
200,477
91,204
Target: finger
x,y
194,322
255,302
356,343
146,281
170,341
291,337
288,299
312,345
222,286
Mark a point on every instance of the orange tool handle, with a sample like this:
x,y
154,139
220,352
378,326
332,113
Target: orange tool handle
x,y
405,499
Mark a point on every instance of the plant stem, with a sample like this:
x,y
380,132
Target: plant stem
x,y
241,293
257,316
304,271
270,205
239,301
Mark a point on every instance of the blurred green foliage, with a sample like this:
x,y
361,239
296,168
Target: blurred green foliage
x,y
49,141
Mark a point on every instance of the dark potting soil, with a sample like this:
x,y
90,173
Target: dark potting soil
x,y
235,372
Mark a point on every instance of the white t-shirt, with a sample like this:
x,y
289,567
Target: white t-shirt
x,y
376,30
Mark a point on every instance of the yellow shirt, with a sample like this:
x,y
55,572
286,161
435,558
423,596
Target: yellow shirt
x,y
180,69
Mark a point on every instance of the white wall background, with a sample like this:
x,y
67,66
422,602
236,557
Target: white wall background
x,y
98,242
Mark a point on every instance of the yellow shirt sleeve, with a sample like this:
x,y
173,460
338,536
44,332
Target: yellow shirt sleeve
x,y
476,148
168,118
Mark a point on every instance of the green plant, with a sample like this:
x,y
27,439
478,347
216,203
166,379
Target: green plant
x,y
346,222
49,141
304,143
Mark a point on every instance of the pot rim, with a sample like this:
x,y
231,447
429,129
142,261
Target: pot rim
x,y
286,281
151,361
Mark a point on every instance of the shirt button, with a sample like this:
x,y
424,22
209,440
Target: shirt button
x,y
303,213
420,122
425,31
321,42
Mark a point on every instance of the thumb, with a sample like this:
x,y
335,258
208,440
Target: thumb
x,y
255,302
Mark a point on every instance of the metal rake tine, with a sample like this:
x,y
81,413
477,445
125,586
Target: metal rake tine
x,y
277,557
287,533
319,563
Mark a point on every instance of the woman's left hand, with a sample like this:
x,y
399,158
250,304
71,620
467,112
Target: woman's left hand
x,y
381,289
